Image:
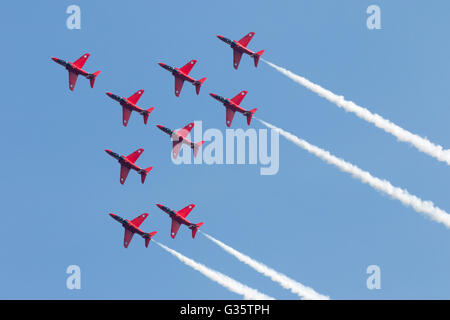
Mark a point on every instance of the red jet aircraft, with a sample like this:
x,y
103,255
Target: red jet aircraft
x,y
182,74
132,227
75,69
233,105
179,218
179,138
129,105
127,163
240,47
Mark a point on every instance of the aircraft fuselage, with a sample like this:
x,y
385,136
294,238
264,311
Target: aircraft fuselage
x,y
123,160
72,68
177,72
127,224
175,136
228,103
124,102
236,45
174,215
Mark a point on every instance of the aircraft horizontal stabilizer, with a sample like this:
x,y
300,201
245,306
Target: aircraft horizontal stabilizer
x,y
92,78
256,57
144,173
195,229
250,115
147,113
198,84
197,146
148,237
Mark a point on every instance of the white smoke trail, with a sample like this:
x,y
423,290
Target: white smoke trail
x,y
422,144
225,281
286,282
402,195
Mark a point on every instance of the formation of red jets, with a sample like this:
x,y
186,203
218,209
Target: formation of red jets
x,y
178,137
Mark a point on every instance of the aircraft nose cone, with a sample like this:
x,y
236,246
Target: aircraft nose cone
x,y
212,95
161,64
160,126
54,59
112,215
219,36
108,151
109,94
159,206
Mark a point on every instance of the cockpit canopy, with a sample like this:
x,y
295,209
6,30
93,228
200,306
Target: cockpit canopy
x,y
222,99
168,210
117,98
166,130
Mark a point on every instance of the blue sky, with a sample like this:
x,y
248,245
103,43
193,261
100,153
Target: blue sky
x,y
309,221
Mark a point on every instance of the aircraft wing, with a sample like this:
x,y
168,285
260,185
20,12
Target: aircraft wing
x,y
188,66
237,55
127,238
176,147
80,62
139,219
135,155
136,96
239,97
126,113
124,170
174,229
178,85
185,131
230,116
72,80
246,39
186,210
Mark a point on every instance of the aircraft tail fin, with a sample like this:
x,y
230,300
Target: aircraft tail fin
x,y
92,78
256,57
144,173
195,229
147,113
197,146
198,84
148,237
250,114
